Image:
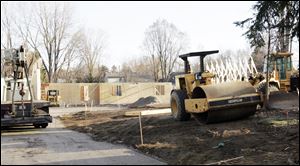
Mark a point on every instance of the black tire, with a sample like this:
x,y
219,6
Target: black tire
x,y
44,125
178,107
36,125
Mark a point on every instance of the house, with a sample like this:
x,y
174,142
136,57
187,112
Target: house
x,y
114,78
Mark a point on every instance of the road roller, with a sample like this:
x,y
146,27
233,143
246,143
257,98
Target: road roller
x,y
194,94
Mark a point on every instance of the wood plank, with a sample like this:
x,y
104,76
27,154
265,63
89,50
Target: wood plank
x,y
224,161
148,112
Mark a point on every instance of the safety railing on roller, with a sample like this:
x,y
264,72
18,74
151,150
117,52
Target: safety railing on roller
x,y
231,69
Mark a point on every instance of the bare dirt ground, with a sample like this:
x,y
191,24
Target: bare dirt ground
x,y
265,138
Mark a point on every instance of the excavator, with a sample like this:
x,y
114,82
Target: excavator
x,y
194,94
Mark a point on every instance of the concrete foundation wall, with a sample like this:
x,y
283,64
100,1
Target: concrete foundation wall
x,y
108,93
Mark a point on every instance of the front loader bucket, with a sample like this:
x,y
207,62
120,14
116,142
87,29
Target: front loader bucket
x,y
223,102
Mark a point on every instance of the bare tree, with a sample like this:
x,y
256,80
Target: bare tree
x,y
54,24
102,71
164,42
137,69
6,32
46,28
127,72
113,69
150,50
73,57
6,27
93,49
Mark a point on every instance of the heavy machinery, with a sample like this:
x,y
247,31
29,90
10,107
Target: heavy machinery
x,y
53,97
195,94
282,75
20,96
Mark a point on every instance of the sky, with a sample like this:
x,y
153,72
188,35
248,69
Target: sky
x,y
208,25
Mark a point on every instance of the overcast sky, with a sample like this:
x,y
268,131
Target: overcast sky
x,y
208,25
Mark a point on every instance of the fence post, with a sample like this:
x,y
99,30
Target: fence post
x,y
141,128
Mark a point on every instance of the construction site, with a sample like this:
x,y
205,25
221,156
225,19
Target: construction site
x,y
147,124
173,106
142,116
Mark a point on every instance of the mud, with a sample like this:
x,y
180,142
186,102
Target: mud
x,y
265,138
268,137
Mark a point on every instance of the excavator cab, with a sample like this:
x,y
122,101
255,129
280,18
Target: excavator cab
x,y
281,65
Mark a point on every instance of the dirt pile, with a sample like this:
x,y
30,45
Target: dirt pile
x,y
144,102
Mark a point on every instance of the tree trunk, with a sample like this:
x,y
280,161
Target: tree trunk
x,y
266,96
154,68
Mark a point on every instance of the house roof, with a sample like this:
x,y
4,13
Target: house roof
x,y
114,75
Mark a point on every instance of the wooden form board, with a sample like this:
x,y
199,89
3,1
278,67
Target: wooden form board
x,y
148,112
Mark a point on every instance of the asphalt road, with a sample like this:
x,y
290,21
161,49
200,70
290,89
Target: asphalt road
x,y
57,145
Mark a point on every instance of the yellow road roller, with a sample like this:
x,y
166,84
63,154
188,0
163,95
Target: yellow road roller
x,y
195,94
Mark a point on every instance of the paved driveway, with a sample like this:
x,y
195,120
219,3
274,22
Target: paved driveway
x,y
58,145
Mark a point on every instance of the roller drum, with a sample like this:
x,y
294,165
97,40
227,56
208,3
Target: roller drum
x,y
221,98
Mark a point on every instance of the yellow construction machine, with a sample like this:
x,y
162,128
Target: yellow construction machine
x,y
283,71
282,75
195,94
53,97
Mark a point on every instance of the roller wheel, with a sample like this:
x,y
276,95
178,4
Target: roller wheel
x,y
178,107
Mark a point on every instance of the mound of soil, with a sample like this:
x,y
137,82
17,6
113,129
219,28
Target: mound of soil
x,y
144,102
